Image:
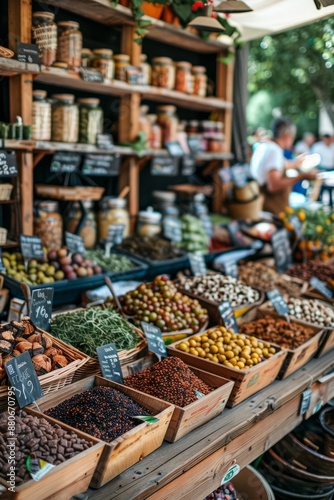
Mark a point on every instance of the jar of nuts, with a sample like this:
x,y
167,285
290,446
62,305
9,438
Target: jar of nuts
x,y
163,72
65,118
69,44
183,77
48,224
44,31
91,120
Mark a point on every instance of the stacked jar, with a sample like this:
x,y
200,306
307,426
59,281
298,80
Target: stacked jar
x,y
65,118
200,80
112,211
82,221
41,116
91,120
184,80
122,61
44,31
48,224
146,70
163,72
86,57
103,62
69,44
149,223
168,122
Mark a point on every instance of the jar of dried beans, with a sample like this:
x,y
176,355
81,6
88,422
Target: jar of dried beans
x,y
44,31
65,118
163,72
168,122
184,78
112,211
91,120
200,80
69,44
41,116
104,63
48,224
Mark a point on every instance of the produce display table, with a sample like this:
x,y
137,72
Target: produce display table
x,y
193,467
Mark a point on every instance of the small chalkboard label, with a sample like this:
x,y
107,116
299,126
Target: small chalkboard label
x,y
230,268
8,166
104,141
305,401
275,297
27,53
91,75
227,316
174,149
31,247
110,363
41,307
74,243
154,339
172,230
322,287
101,164
236,235
188,165
63,162
23,379
164,165
197,264
207,224
282,250
195,145
115,234
297,225
239,174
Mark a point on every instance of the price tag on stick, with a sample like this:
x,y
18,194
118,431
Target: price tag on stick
x,y
322,288
41,307
114,237
23,378
305,402
197,264
227,315
109,363
31,247
231,269
74,243
282,250
281,307
154,340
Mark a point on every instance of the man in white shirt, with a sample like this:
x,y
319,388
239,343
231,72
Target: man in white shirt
x,y
326,151
304,146
268,166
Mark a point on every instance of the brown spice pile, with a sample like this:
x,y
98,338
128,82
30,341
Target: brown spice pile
x,y
170,380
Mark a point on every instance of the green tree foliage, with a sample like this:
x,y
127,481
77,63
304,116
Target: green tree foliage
x,y
295,70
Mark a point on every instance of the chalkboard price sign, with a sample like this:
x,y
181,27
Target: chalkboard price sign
x,y
109,363
195,145
91,75
115,234
188,165
101,164
8,166
275,297
282,250
164,165
31,247
197,264
154,339
27,53
231,269
74,243
23,379
239,174
172,230
322,288
104,141
63,162
174,149
227,316
41,307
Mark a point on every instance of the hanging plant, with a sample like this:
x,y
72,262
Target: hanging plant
x,y
138,13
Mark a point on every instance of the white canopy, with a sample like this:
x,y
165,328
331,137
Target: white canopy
x,y
274,16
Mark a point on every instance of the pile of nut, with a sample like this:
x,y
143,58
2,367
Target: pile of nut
x,y
278,330
35,436
217,287
266,278
311,311
19,337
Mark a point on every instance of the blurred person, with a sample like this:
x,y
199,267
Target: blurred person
x,y
325,149
304,146
268,166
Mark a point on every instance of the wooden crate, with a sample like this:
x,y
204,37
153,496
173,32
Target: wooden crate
x,y
65,480
246,382
296,358
132,446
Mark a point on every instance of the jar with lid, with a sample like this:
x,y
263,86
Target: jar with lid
x,y
48,224
146,70
163,72
82,221
145,125
86,57
156,132
168,122
216,141
69,43
183,77
41,116
149,223
104,63
112,211
91,120
122,61
200,80
65,118
44,31
163,200
208,133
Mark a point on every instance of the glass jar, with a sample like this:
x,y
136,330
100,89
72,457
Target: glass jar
x,y
216,141
48,224
86,56
163,72
149,223
168,122
200,80
145,125
156,132
112,211
41,116
44,31
69,43
65,118
208,133
91,120
146,70
83,222
122,61
104,63
183,77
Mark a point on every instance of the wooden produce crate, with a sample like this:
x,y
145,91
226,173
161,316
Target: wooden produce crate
x,y
65,480
327,343
296,358
132,446
186,419
247,381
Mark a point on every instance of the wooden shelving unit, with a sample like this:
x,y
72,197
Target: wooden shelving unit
x,y
12,67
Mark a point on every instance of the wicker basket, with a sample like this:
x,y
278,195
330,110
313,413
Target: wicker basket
x,y
3,235
5,191
327,423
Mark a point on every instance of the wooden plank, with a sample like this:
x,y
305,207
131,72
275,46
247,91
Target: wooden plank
x,y
50,146
171,461
10,67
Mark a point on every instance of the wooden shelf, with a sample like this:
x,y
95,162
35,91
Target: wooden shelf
x,y
71,79
80,148
10,244
17,145
194,466
11,67
103,12
8,202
